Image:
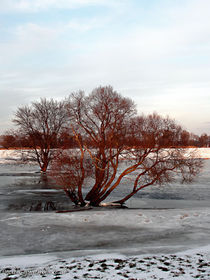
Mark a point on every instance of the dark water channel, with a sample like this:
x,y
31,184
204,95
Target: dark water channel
x,y
23,188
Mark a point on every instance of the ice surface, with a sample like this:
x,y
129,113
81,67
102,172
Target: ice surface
x,y
126,231
22,188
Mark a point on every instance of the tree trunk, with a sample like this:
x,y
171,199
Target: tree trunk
x,y
44,167
72,196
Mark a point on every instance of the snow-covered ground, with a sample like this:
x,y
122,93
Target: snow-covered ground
x,y
193,264
166,237
112,244
15,155
9,156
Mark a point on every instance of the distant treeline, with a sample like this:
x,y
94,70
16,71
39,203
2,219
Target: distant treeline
x,y
67,140
20,141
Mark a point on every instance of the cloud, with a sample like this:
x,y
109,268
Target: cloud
x,y
143,53
27,40
25,6
34,32
81,25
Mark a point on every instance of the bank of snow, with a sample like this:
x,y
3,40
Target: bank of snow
x,y
12,156
193,264
9,156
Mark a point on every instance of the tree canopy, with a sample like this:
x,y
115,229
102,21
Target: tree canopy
x,y
42,122
113,143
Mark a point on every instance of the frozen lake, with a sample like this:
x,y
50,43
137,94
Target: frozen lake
x,y
23,188
158,220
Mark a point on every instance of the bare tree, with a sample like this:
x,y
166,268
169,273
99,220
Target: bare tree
x,y
155,161
185,138
42,123
204,140
116,144
14,139
8,141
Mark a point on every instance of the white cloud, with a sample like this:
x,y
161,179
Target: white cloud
x,y
27,39
85,25
38,5
32,31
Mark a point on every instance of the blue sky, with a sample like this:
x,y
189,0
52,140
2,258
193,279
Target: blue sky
x,y
155,51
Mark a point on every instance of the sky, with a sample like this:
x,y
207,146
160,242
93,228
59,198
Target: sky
x,y
156,52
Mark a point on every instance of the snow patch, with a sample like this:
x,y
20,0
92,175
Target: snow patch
x,y
190,264
18,155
